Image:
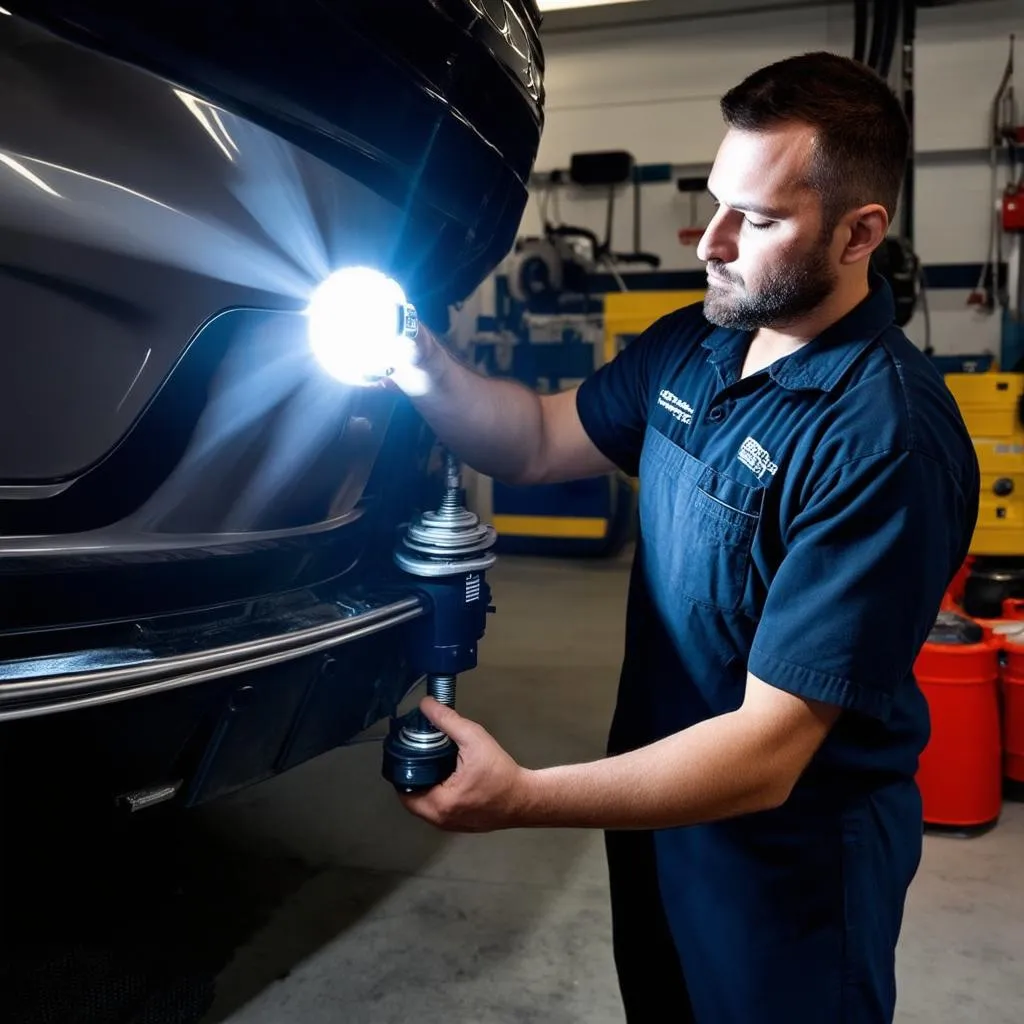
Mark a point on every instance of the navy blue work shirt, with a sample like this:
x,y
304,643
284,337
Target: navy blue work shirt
x,y
801,524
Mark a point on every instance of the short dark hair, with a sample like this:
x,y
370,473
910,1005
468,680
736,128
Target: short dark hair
x,y
862,135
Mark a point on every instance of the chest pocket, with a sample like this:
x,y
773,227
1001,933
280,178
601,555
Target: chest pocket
x,y
698,527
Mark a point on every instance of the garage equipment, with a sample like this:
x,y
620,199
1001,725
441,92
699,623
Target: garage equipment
x,y
960,771
991,586
1013,710
549,353
546,333
992,400
1000,285
629,314
543,269
448,552
992,405
894,24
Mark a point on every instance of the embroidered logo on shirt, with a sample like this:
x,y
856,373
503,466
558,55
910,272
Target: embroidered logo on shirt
x,y
756,459
682,411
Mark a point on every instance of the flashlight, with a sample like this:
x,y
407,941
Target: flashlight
x,y
361,326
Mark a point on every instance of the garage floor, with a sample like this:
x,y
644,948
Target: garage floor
x,y
401,922
316,898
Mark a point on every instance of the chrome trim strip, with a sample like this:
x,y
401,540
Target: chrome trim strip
x,y
66,682
222,662
26,492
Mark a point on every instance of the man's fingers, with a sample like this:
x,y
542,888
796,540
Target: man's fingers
x,y
430,806
420,805
448,720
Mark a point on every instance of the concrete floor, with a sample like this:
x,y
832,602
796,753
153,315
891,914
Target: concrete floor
x,y
388,920
316,898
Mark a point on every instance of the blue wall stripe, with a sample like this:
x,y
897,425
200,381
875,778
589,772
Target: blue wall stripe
x,y
952,275
936,275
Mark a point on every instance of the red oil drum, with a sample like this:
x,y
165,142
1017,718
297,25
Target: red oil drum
x,y
991,629
960,773
1013,709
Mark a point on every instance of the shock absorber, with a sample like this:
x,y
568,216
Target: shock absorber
x,y
448,551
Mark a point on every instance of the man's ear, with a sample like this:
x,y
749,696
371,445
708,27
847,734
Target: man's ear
x,y
866,229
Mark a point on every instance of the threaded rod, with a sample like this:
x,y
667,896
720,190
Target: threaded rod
x,y
451,503
442,689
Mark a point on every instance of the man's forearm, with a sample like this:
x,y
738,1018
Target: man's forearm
x,y
716,769
496,426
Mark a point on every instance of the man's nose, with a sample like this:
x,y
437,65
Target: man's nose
x,y
719,239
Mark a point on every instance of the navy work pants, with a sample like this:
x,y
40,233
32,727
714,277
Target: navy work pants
x,y
768,919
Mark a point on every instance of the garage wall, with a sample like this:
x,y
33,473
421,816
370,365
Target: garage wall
x,y
653,90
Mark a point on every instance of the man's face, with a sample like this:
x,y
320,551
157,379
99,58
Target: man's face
x,y
768,264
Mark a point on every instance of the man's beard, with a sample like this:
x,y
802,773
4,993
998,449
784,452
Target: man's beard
x,y
785,295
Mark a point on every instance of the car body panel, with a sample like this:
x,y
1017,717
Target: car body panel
x,y
197,524
134,212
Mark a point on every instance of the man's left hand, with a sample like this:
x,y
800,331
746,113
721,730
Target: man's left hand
x,y
487,790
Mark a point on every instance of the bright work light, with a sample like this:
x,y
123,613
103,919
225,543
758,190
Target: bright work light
x,y
361,327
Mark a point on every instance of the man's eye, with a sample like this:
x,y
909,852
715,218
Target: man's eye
x,y
760,225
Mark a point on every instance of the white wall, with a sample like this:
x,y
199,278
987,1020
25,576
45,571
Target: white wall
x,y
654,90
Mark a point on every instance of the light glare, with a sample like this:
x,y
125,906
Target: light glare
x,y
354,327
20,168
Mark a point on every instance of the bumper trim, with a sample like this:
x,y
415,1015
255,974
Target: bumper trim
x,y
49,694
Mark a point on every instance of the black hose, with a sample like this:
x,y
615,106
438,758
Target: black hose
x,y
636,210
909,176
860,29
877,22
892,18
606,248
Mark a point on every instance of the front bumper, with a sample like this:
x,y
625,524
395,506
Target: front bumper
x,y
89,678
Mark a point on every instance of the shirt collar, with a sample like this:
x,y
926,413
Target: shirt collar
x,y
820,364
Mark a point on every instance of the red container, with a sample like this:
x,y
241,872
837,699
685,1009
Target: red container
x,y
999,632
955,591
960,773
1013,711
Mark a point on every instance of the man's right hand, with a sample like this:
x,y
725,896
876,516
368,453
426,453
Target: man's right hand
x,y
430,353
424,367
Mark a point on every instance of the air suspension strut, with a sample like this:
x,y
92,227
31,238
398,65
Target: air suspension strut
x,y
448,551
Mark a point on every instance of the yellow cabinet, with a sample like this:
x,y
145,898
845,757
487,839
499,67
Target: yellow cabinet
x,y
991,406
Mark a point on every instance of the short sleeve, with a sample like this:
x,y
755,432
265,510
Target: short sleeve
x,y
613,402
868,558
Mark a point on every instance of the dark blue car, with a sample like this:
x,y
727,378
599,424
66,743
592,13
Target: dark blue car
x,y
197,524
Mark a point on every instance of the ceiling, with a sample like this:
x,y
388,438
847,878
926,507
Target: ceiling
x,y
642,11
636,13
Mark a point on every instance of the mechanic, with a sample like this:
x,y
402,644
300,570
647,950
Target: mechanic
x,y
807,491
